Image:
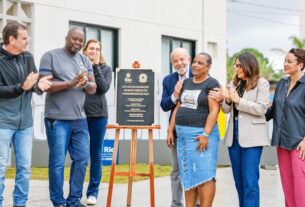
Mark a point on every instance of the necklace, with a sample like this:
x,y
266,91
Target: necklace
x,y
200,81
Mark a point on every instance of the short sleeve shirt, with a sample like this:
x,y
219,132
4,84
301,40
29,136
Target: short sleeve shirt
x,y
67,104
194,108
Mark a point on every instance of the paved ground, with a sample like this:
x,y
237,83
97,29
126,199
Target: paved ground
x,y
271,192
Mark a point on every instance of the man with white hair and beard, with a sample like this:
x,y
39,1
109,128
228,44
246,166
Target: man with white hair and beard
x,y
172,85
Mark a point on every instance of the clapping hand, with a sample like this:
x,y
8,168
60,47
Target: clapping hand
x,y
234,96
178,88
30,80
83,79
77,81
45,83
216,94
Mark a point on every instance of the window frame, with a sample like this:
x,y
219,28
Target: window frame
x,y
181,40
115,43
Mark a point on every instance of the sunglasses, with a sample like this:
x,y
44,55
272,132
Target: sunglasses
x,y
238,66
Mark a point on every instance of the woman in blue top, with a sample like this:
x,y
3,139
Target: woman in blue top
x,y
288,113
194,120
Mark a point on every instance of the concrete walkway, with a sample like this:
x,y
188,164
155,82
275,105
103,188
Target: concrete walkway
x,y
270,185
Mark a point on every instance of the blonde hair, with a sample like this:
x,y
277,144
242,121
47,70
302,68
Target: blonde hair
x,y
102,60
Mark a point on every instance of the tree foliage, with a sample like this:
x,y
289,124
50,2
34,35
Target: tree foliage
x,y
266,68
297,42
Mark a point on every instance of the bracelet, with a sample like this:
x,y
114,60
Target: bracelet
x,y
205,134
86,85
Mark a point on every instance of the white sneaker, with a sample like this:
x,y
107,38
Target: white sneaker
x,y
91,200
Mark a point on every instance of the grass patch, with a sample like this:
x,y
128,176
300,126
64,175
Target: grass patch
x,y
42,173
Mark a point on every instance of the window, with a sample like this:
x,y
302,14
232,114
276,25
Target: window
x,y
170,43
108,38
15,11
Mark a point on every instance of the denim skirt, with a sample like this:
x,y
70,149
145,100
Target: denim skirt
x,y
196,167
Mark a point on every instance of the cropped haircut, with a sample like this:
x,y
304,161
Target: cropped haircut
x,y
209,61
11,29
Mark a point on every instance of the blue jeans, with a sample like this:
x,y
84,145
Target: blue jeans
x,y
63,135
245,167
97,130
21,139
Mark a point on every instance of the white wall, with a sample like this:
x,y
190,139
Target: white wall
x,y
214,21
141,25
302,19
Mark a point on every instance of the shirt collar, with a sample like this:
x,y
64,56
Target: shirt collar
x,y
186,75
302,79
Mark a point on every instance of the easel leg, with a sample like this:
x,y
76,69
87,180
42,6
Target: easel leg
x,y
151,168
114,158
132,164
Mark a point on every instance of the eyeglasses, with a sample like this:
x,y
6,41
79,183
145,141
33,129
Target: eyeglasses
x,y
238,66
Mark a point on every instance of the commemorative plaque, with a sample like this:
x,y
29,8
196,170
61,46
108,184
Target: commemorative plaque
x,y
135,97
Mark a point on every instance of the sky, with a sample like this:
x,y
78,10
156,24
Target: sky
x,y
263,25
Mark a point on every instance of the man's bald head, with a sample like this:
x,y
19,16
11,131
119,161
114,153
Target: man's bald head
x,y
75,30
74,40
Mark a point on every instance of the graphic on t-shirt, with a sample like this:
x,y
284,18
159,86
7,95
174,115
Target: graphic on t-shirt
x,y
189,99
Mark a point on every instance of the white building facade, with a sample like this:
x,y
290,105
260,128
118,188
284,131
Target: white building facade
x,y
302,19
142,30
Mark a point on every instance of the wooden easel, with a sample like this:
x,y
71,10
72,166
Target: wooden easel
x,y
132,161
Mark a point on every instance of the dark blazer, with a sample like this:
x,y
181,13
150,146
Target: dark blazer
x,y
169,83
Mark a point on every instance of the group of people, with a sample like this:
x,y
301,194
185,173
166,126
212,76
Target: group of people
x,y
75,107
194,99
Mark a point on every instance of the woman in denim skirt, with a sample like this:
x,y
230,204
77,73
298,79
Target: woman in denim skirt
x,y
194,121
